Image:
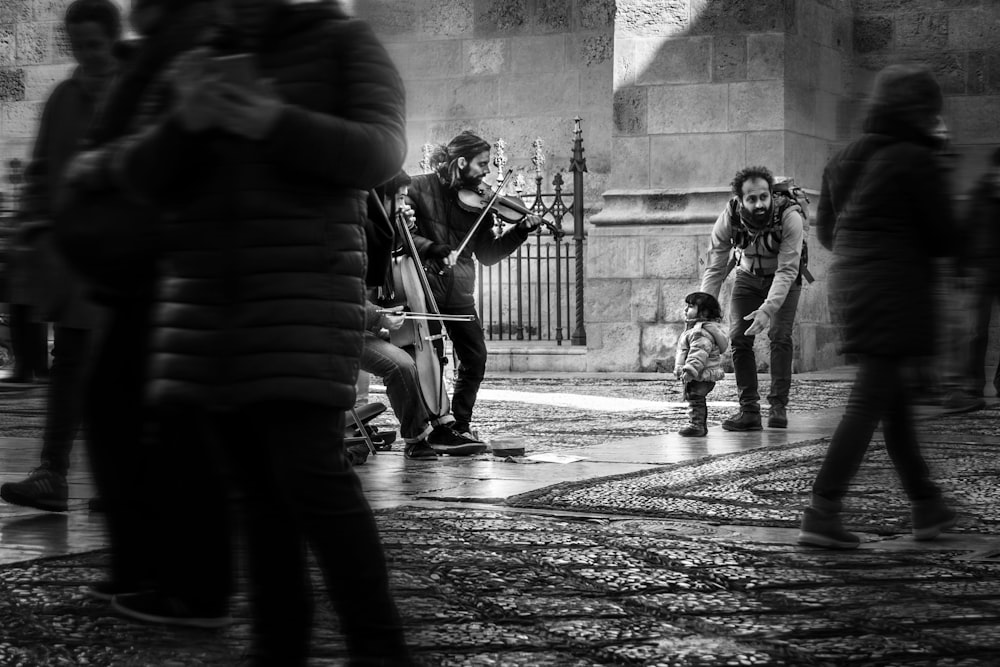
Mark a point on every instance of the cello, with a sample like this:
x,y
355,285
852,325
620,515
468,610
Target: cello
x,y
421,334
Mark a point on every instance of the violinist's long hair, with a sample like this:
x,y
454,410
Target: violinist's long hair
x,y
444,158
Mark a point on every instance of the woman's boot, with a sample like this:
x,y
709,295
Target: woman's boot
x,y
821,526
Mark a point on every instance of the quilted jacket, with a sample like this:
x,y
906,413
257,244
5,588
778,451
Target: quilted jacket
x,y
261,295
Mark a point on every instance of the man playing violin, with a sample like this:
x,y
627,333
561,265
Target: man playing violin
x,y
442,227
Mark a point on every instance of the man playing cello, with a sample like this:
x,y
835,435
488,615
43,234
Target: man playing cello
x,y
442,228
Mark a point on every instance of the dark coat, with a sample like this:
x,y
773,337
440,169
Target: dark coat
x,y
980,234
261,295
885,213
441,220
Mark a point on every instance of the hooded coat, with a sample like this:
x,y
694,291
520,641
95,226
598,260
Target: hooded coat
x,y
262,284
884,211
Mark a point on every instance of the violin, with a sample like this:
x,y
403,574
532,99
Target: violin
x,y
509,209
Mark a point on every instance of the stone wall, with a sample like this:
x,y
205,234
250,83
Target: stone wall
x,y
511,69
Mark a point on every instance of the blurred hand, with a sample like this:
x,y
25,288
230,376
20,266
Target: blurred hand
x,y
84,169
409,215
761,321
250,111
392,322
197,86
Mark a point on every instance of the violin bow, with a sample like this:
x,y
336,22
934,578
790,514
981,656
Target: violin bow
x,y
486,209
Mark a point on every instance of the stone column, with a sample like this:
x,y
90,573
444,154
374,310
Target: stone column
x,y
703,88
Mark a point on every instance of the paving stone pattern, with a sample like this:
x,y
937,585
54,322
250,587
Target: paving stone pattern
x,y
481,588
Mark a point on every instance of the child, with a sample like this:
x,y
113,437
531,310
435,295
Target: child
x,y
698,363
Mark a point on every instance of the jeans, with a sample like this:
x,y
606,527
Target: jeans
x,y
297,489
985,293
30,344
879,393
470,347
64,410
402,385
749,292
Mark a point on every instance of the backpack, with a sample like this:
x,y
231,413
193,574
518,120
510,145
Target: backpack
x,y
786,195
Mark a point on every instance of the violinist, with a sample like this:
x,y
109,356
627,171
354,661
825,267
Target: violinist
x,y
442,227
423,439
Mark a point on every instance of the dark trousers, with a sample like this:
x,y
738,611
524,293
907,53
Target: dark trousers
x,y
64,410
469,344
879,393
749,292
695,394
985,293
30,344
113,413
297,489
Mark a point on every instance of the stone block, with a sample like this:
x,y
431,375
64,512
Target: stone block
x,y
680,60
615,257
975,119
390,19
41,79
729,58
926,31
645,301
485,56
672,295
596,14
618,350
802,57
688,109
765,56
800,109
766,148
440,59
659,346
590,50
630,162
972,29
757,105
501,17
595,91
718,17
608,300
552,16
872,33
826,115
446,18
34,43
8,46
886,6
453,98
20,119
672,257
950,69
549,93
651,18
693,160
630,110
12,85
62,51
533,55
983,73
15,11
831,70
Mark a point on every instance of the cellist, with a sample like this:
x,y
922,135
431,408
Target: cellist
x,y
423,439
442,227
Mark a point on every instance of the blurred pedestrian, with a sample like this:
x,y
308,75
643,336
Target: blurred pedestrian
x,y
885,213
698,362
762,240
93,27
979,264
262,168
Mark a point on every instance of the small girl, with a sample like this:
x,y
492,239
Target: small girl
x,y
698,362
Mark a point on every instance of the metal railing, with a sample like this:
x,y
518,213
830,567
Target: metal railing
x,y
536,294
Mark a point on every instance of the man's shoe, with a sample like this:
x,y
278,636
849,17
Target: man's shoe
x,y
419,450
960,402
43,489
777,418
743,421
821,529
931,518
446,440
356,454
155,607
693,431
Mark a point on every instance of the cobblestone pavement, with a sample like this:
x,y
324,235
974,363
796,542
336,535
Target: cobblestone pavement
x,y
548,587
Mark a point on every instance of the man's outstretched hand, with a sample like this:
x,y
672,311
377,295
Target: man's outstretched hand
x,y
761,321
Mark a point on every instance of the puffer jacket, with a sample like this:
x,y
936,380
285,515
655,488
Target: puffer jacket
x,y
699,351
439,219
884,212
261,292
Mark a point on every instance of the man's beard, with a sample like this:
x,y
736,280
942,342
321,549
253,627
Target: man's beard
x,y
758,217
470,181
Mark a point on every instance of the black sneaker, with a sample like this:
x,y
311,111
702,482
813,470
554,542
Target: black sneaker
x,y
446,440
419,450
155,607
43,489
743,421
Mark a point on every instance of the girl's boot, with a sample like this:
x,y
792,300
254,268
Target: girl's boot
x,y
698,419
821,526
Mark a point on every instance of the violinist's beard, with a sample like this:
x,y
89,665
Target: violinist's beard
x,y
468,181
